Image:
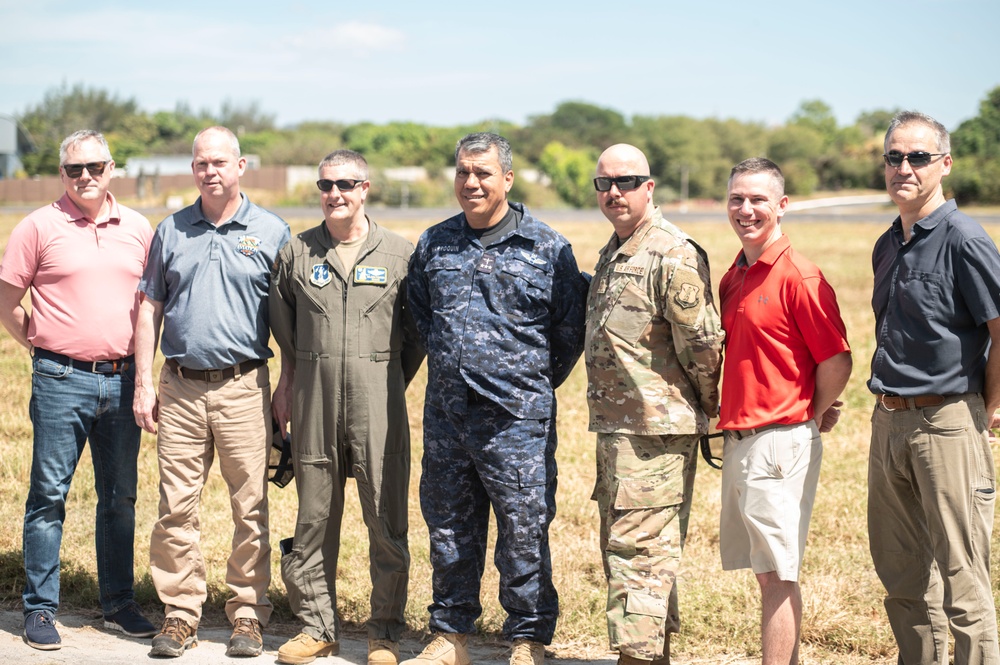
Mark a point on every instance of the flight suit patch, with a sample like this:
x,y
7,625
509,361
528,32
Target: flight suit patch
x,y
320,275
371,275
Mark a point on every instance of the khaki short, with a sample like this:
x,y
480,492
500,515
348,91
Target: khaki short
x,y
768,487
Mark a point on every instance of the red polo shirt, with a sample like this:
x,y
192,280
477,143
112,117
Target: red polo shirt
x,y
781,320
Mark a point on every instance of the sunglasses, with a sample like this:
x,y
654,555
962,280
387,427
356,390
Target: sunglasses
x,y
343,185
76,170
625,183
916,159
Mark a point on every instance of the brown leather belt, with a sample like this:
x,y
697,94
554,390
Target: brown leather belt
x,y
897,403
215,375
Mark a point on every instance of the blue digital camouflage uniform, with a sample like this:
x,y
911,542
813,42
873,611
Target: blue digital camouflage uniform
x,y
503,326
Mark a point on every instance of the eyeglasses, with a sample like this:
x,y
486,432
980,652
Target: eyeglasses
x,y
76,170
916,159
343,185
625,183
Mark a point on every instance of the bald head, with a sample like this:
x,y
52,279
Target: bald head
x,y
630,203
623,156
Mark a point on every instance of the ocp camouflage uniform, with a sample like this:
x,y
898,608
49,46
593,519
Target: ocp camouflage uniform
x,y
355,349
653,355
503,326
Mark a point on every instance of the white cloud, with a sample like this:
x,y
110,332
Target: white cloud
x,y
366,37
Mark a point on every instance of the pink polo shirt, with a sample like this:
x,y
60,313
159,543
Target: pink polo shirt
x,y
83,277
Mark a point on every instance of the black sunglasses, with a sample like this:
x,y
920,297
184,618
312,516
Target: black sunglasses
x,y
916,159
343,185
625,182
76,170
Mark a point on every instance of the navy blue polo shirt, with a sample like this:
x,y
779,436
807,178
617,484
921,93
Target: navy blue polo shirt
x,y
213,283
932,298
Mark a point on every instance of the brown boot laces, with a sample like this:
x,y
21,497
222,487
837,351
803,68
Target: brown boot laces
x,y
247,627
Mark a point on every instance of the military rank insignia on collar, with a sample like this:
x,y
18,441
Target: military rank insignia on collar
x,y
247,245
320,275
370,275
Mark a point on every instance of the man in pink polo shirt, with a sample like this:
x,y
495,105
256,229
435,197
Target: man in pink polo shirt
x,y
81,258
787,360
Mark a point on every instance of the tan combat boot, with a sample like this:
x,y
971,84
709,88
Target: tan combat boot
x,y
444,649
304,649
526,652
383,652
624,659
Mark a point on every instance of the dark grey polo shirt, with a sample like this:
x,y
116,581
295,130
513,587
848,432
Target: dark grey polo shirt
x,y
932,298
213,282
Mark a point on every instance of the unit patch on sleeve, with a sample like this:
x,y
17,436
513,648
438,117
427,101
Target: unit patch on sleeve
x,y
689,296
371,275
320,275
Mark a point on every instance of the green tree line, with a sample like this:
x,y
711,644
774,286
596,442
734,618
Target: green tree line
x,y
689,157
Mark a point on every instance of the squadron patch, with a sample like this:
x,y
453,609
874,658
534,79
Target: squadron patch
x,y
247,245
320,275
689,296
370,275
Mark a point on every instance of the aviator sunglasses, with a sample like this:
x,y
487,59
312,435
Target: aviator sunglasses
x,y
625,182
76,170
916,159
343,185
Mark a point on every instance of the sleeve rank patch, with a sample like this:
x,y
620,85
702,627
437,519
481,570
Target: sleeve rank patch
x,y
370,275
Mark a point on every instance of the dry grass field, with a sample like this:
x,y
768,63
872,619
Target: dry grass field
x,y
843,623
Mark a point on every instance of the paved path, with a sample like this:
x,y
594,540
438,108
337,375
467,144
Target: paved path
x,y
86,642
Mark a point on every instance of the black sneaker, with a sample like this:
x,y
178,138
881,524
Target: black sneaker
x,y
175,636
129,620
40,632
247,640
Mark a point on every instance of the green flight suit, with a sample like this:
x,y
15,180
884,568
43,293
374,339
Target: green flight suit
x,y
355,349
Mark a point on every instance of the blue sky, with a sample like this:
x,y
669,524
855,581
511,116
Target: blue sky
x,y
453,63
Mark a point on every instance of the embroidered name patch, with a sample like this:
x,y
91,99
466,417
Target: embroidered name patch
x,y
247,245
370,275
630,269
446,249
320,275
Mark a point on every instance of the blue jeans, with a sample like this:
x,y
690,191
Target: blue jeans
x,y
67,407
